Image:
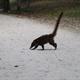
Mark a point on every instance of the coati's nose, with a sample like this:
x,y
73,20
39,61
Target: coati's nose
x,y
29,48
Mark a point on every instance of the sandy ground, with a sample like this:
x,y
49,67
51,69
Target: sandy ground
x,y
18,62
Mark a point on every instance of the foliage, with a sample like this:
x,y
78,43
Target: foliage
x,y
47,7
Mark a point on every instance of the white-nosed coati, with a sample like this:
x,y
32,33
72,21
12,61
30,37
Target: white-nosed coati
x,y
48,38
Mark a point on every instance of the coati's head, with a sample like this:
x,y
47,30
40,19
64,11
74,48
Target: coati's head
x,y
32,44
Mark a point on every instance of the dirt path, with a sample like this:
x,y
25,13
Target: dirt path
x,y
17,62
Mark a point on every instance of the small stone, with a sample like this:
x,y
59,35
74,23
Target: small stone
x,y
0,59
16,66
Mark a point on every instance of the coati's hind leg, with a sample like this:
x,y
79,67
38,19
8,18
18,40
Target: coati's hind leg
x,y
51,42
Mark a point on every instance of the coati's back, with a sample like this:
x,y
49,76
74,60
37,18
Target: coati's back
x,y
42,39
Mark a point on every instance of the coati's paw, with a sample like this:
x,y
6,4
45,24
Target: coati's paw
x,y
55,45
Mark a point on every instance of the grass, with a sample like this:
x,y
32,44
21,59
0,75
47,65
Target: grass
x,y
50,9
68,12
72,12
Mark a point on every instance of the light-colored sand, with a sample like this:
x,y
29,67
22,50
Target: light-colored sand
x,y
18,62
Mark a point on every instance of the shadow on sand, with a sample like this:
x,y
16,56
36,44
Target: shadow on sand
x,y
45,49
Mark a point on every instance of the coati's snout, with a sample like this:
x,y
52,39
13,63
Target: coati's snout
x,y
32,45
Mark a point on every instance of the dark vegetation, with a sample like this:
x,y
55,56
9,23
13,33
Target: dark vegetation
x,y
42,8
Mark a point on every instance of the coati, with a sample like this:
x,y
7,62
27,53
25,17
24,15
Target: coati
x,y
48,38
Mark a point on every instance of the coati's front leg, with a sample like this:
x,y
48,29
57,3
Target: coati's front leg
x,y
42,47
51,42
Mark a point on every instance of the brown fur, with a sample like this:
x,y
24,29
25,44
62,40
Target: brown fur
x,y
48,38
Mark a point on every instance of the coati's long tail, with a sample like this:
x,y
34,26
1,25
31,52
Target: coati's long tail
x,y
57,24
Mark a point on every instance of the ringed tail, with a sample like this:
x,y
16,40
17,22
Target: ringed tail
x,y
57,24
